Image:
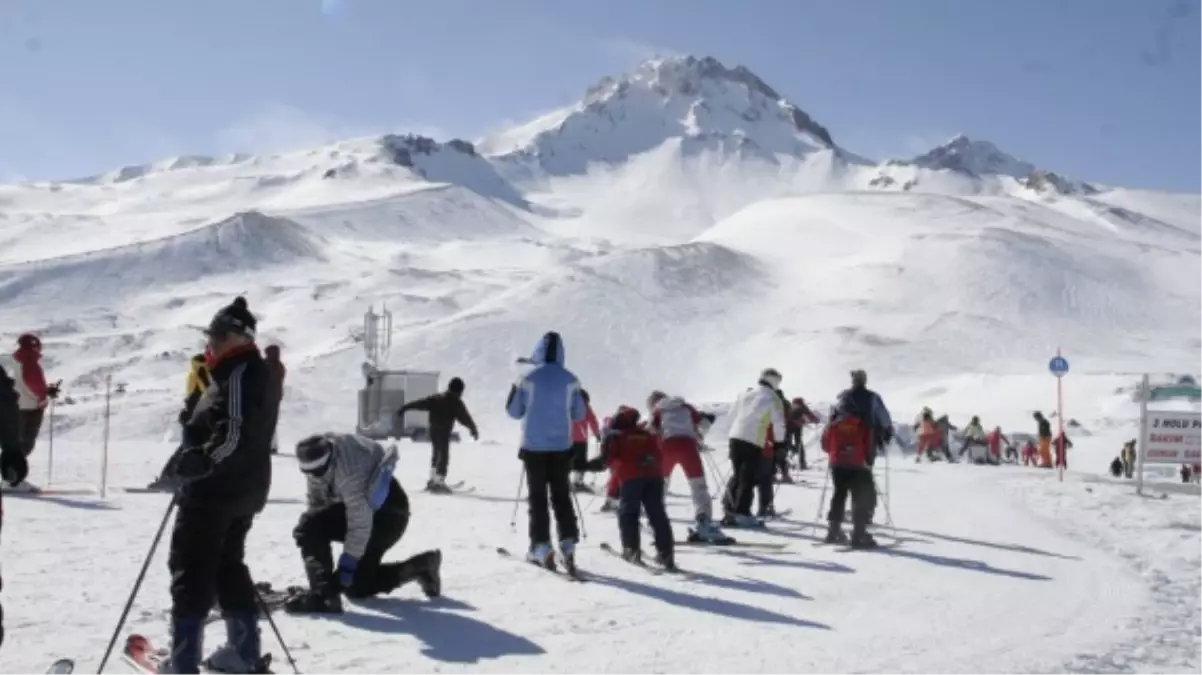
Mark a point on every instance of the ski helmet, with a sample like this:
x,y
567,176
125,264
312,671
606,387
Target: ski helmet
x,y
313,454
772,377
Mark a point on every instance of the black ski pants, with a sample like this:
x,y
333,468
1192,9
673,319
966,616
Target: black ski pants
x,y
440,453
860,486
647,493
29,425
548,483
319,528
207,563
764,485
744,475
579,456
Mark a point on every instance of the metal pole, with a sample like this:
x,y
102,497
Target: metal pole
x,y
1142,448
50,451
1061,460
104,451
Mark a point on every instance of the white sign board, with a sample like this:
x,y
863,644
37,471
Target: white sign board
x,y
1173,437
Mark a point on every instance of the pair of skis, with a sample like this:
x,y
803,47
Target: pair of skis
x,y
570,573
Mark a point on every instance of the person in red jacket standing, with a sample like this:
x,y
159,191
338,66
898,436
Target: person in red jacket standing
x,y
33,394
633,455
680,427
580,432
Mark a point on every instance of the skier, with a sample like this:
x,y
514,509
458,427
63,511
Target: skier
x,y
1062,444
445,409
974,437
945,427
774,453
275,392
580,432
13,464
1030,454
995,440
799,415
33,392
754,412
1116,467
633,454
1128,455
859,427
224,474
547,399
928,435
1045,440
679,427
354,498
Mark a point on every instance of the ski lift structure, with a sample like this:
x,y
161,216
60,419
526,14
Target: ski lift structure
x,y
386,390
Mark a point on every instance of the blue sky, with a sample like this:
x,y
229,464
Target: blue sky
x,y
1103,90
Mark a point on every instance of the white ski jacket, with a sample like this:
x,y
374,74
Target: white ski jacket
x,y
753,412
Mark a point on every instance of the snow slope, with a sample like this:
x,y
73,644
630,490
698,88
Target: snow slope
x,y
683,227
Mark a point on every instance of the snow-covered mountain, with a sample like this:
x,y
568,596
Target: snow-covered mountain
x,y
682,226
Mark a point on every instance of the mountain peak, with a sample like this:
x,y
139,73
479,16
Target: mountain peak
x,y
698,100
973,157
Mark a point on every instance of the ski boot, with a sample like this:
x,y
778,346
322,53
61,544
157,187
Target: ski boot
x,y
632,555
438,485
610,505
766,512
666,560
835,535
430,580
707,532
860,539
542,555
567,555
240,653
308,601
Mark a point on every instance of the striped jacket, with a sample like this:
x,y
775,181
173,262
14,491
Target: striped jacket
x,y
359,477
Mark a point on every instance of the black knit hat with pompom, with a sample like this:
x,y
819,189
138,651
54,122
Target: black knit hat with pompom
x,y
233,318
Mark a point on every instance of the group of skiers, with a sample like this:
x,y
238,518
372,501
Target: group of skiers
x,y
988,448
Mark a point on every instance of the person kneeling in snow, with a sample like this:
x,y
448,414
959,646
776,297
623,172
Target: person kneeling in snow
x,y
633,455
680,428
354,498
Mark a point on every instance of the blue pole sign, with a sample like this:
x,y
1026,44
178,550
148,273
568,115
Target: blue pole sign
x,y
1058,365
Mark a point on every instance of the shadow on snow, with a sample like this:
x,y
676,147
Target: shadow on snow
x,y
447,635
719,607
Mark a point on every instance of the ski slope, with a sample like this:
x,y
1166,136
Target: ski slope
x,y
683,227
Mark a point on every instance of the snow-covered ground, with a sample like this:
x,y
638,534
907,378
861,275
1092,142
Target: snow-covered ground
x,y
683,227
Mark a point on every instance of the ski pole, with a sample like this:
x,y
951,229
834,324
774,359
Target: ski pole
x,y
50,450
137,585
275,629
513,520
826,477
583,529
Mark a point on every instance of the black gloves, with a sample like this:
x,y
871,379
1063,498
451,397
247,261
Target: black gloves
x,y
53,390
191,465
595,465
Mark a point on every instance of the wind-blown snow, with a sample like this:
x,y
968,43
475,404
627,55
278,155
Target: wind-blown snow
x,y
683,227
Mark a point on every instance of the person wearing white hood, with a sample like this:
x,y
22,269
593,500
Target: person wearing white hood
x,y
751,416
680,428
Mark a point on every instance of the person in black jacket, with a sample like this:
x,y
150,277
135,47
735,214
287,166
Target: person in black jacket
x,y
13,465
445,409
223,474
